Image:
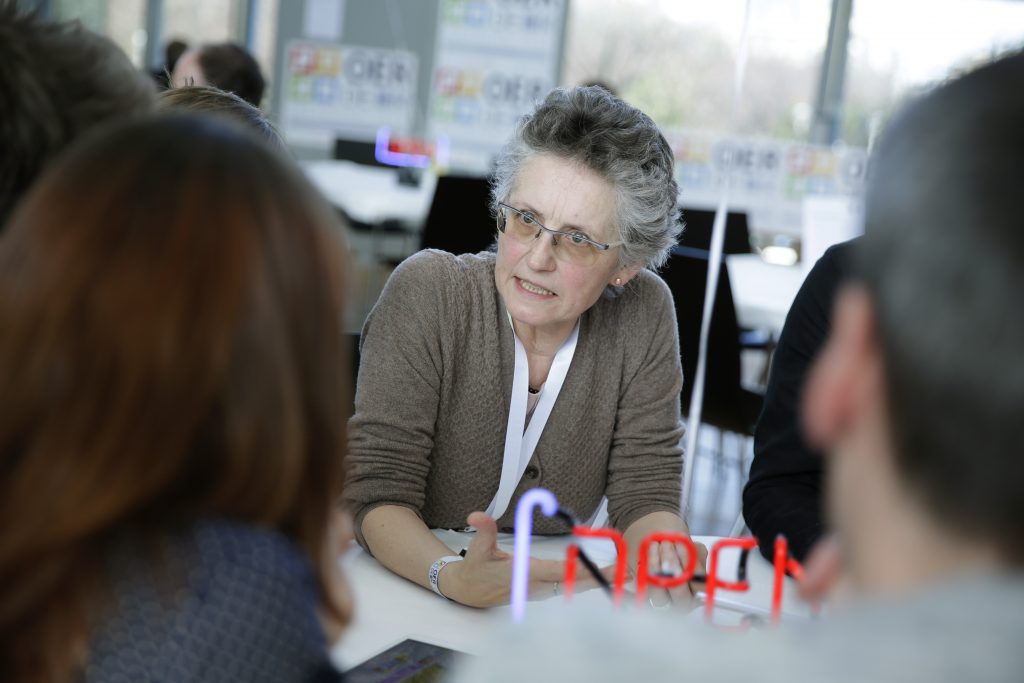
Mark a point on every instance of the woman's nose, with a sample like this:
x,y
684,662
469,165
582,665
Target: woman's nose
x,y
542,252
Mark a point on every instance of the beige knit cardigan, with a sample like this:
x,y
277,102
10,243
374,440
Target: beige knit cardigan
x,y
434,388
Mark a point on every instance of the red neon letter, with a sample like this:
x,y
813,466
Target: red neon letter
x,y
572,554
714,584
642,575
783,562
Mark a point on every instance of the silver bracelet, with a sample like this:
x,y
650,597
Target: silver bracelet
x,y
435,571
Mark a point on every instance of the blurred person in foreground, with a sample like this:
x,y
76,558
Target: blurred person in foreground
x,y
224,65
57,81
551,362
206,99
172,441
917,400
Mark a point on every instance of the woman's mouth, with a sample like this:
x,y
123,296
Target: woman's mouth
x,y
534,289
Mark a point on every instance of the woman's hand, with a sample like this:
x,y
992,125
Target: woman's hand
x,y
666,558
670,559
484,578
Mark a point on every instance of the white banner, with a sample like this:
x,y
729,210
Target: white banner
x,y
334,91
768,179
495,59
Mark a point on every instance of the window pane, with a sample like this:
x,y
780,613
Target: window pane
x,y
898,48
201,21
123,22
266,36
675,59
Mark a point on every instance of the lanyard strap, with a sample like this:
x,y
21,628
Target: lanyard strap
x,y
519,445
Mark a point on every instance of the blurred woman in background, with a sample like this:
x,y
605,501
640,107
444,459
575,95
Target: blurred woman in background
x,y
172,436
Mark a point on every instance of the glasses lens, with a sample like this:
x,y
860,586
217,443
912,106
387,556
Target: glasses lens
x,y
571,247
522,226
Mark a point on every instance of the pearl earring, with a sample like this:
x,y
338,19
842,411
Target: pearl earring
x,y
618,282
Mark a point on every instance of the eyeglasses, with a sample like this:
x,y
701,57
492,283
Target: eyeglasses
x,y
569,246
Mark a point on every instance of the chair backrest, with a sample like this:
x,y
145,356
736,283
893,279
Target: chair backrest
x,y
359,151
686,275
460,219
697,232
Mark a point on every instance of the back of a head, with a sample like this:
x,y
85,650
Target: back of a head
x,y
56,82
230,67
205,99
943,257
173,328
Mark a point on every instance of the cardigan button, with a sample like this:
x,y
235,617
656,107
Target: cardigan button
x,y
532,472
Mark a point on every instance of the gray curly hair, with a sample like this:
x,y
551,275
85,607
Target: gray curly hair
x,y
615,140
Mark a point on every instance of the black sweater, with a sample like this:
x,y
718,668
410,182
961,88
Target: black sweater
x,y
784,494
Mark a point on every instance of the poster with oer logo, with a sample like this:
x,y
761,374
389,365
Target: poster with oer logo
x,y
347,91
494,60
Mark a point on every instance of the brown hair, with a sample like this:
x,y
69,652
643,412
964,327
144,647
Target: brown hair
x,y
57,80
206,99
171,350
230,67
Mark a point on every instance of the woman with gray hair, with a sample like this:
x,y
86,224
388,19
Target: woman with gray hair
x,y
552,361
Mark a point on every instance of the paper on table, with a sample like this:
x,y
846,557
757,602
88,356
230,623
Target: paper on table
x,y
407,660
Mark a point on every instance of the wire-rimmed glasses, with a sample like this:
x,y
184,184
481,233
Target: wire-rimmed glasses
x,y
570,246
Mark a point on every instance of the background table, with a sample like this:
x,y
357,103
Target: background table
x,y
762,292
390,609
373,195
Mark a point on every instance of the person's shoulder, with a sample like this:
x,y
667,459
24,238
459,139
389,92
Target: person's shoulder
x,y
835,264
222,600
243,550
644,300
842,250
650,286
440,267
818,291
257,597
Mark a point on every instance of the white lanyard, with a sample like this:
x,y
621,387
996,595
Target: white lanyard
x,y
519,445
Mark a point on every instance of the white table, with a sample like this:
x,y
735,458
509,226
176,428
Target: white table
x,y
763,292
371,194
390,609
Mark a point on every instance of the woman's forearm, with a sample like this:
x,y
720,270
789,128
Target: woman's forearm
x,y
400,541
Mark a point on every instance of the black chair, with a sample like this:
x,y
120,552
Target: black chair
x,y
698,225
697,235
460,219
728,405
358,151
